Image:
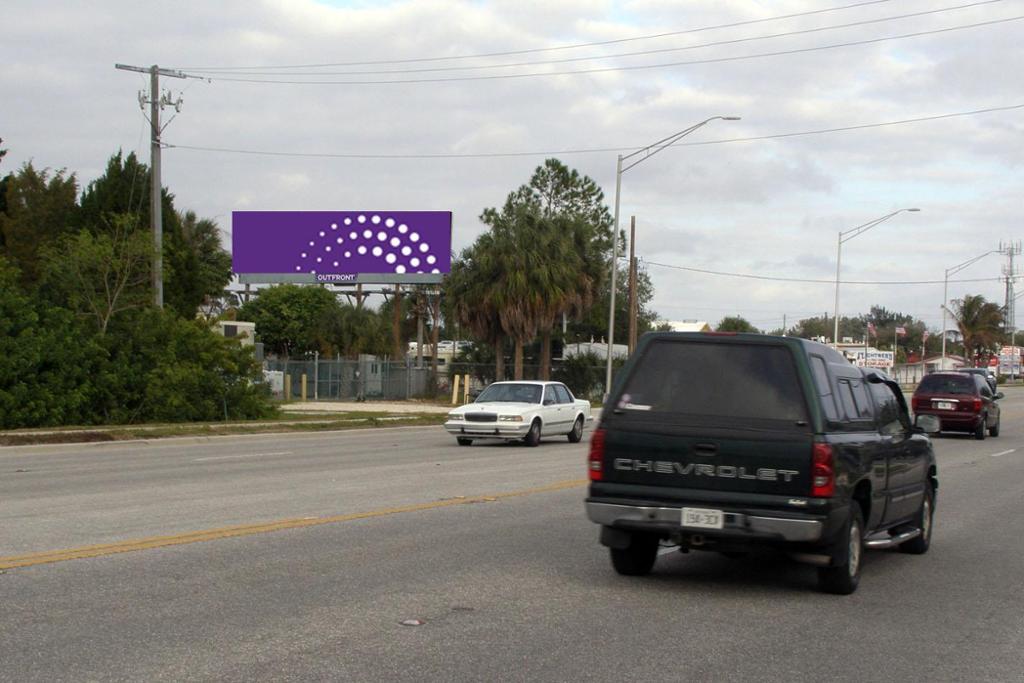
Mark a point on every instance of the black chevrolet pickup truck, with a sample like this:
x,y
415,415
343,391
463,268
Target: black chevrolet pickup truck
x,y
723,442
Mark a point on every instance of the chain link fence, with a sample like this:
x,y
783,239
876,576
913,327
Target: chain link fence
x,y
371,379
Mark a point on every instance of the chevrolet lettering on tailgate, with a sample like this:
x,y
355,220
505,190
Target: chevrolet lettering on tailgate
x,y
703,470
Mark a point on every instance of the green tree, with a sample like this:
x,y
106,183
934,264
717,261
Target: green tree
x,y
169,369
980,323
735,323
594,323
466,296
289,318
47,364
100,275
352,330
567,212
39,208
196,267
199,266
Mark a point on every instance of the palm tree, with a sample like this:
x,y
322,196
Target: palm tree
x,y
510,261
467,290
980,323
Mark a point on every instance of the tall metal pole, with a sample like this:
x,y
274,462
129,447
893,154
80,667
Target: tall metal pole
x,y
644,153
945,293
615,260
156,218
839,256
632,285
945,300
845,236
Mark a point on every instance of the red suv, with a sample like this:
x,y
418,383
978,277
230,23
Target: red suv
x,y
962,402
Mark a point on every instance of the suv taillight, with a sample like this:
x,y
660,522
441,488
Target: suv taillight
x,y
977,405
916,403
595,461
823,476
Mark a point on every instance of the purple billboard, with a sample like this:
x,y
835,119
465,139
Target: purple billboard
x,y
341,246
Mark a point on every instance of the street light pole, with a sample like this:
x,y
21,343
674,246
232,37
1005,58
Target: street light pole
x,y
846,236
615,262
945,294
647,152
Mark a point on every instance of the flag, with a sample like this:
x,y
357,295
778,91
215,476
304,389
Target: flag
x,y
901,331
871,330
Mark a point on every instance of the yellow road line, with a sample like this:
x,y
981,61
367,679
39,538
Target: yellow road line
x,y
49,556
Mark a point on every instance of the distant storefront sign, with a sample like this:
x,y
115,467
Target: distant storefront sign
x,y
341,247
883,360
1010,360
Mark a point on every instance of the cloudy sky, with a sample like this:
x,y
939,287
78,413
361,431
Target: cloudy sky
x,y
451,104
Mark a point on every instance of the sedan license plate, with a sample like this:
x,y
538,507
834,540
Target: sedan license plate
x,y
944,405
702,518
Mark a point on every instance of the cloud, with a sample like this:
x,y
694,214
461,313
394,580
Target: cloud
x,y
769,207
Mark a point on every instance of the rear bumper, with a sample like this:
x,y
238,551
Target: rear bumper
x,y
956,422
738,525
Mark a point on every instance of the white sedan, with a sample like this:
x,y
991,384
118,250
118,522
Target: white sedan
x,y
520,411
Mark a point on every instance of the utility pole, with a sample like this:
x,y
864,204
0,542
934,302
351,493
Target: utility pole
x,y
1010,249
156,102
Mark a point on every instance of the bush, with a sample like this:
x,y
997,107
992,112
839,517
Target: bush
x,y
583,374
47,361
168,369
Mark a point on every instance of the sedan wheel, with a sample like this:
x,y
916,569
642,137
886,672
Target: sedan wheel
x,y
533,436
577,431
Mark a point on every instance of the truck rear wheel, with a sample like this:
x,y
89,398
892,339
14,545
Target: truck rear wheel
x,y
638,557
843,577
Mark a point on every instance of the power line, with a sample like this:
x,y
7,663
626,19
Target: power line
x,y
770,278
636,67
620,55
509,53
591,150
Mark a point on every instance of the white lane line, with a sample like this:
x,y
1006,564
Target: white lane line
x,y
241,455
668,551
996,455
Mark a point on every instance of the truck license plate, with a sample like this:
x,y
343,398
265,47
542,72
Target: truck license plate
x,y
944,405
703,518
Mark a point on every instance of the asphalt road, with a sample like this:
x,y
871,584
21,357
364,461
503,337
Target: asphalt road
x,y
298,557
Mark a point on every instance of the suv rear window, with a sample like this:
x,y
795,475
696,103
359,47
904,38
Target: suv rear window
x,y
947,384
746,381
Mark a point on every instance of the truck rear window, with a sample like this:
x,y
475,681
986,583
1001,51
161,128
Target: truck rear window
x,y
745,381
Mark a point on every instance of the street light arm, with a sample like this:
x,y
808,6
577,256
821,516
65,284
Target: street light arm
x,y
971,262
668,142
848,235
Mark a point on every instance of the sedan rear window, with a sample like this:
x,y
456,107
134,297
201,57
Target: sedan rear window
x,y
746,381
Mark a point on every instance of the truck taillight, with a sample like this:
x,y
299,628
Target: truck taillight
x,y
823,476
595,461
